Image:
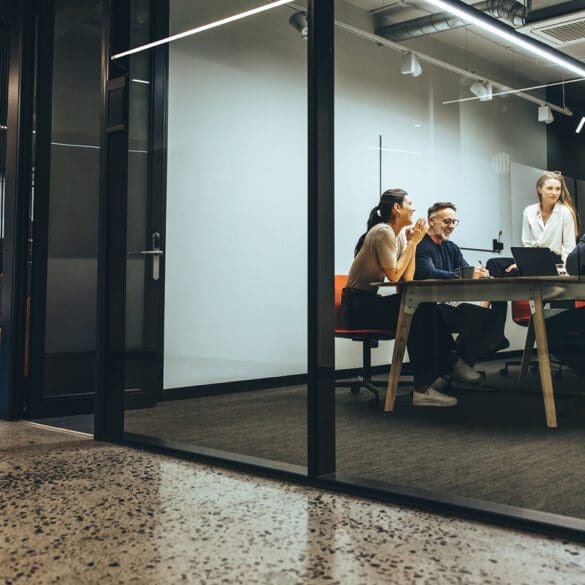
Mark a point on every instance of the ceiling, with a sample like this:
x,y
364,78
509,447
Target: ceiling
x,y
471,48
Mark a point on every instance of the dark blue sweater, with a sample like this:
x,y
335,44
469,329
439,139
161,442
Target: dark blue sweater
x,y
576,259
437,261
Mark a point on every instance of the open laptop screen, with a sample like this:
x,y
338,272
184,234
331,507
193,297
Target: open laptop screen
x,y
534,261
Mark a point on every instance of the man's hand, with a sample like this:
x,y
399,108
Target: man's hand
x,y
480,272
511,267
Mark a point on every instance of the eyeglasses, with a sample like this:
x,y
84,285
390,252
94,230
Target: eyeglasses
x,y
448,222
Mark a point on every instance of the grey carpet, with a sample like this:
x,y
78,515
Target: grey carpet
x,y
493,446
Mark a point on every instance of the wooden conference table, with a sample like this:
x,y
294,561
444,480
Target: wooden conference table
x,y
536,289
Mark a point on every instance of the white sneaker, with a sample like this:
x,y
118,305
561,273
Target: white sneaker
x,y
463,372
440,383
432,397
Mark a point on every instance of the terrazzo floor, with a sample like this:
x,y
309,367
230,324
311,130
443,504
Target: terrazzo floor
x,y
73,510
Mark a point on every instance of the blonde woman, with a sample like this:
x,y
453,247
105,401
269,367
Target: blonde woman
x,y
552,222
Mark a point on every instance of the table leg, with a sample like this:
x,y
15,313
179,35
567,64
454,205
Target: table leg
x,y
528,346
402,331
543,358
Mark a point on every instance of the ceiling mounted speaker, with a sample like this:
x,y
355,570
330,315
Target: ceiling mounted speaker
x,y
545,114
409,65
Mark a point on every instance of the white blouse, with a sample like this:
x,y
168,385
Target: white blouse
x,y
558,234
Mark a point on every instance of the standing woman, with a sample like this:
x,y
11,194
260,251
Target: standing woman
x,y
388,250
552,222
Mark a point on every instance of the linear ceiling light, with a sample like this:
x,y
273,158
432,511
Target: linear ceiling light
x,y
509,91
468,15
202,28
580,126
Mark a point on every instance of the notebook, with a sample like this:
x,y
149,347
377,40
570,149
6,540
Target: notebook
x,y
534,261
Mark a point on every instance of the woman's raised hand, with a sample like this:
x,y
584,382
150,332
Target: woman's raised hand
x,y
417,231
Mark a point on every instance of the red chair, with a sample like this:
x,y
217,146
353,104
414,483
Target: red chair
x,y
521,315
369,339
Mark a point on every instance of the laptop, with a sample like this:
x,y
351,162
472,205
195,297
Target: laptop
x,y
534,261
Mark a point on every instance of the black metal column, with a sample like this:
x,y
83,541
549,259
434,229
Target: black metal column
x,y
17,200
321,343
111,301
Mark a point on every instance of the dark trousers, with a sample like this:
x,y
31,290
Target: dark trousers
x,y
480,330
566,338
429,344
497,269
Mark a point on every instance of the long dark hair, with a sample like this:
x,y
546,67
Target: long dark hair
x,y
382,212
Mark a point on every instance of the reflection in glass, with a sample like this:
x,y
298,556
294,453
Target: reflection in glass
x,y
73,199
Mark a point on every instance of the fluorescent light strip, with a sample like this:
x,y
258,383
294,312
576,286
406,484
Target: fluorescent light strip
x,y
509,91
141,81
75,145
202,28
92,147
393,150
580,126
508,36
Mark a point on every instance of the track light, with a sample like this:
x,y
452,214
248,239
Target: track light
x,y
409,65
545,114
579,127
482,89
300,21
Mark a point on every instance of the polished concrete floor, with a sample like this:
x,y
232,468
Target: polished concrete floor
x,y
76,511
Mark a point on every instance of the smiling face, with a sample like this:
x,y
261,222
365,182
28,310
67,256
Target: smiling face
x,y
550,192
405,212
442,224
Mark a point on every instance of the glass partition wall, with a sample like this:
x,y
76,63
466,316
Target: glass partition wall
x,y
435,114
216,254
227,252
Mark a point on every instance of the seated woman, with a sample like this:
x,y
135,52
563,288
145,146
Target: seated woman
x,y
388,250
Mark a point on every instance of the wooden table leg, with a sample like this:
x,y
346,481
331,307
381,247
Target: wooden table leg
x,y
543,358
528,346
402,331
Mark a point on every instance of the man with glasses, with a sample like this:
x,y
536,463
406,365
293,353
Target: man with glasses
x,y
481,330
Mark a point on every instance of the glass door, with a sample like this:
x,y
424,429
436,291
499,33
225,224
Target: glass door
x,y
215,230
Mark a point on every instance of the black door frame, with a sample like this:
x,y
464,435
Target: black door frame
x,y
112,252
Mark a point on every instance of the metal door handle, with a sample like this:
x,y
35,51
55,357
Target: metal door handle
x,y
155,253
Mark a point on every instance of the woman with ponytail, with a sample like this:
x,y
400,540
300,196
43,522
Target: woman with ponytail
x,y
387,250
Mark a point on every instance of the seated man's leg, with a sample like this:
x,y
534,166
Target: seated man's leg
x,y
430,344
566,338
481,330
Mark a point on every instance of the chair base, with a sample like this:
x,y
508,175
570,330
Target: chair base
x,y
365,381
533,368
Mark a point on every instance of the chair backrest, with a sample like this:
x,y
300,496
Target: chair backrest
x,y
521,312
340,282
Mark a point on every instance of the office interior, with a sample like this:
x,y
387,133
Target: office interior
x,y
216,232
